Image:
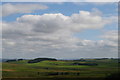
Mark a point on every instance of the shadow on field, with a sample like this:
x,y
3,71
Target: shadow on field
x,y
115,76
59,79
52,79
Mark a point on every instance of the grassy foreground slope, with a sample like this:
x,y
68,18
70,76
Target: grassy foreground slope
x,y
60,69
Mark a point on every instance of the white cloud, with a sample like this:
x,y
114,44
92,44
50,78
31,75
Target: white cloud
x,y
8,8
111,35
52,34
48,23
111,38
10,43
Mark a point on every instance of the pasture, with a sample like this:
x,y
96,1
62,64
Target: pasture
x,y
72,69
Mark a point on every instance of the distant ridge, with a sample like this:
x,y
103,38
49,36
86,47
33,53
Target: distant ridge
x,y
41,59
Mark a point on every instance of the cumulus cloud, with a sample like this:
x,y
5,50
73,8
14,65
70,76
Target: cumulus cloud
x,y
111,38
53,22
52,35
8,8
111,35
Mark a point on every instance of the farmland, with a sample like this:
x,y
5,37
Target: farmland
x,y
66,69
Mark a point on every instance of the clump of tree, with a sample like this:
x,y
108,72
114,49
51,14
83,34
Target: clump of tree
x,y
40,59
20,59
12,60
88,64
79,60
101,58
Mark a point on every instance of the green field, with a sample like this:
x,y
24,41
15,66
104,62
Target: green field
x,y
60,69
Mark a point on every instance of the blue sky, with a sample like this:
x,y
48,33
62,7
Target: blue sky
x,y
69,8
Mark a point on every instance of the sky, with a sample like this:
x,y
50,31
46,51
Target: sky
x,y
59,0
67,30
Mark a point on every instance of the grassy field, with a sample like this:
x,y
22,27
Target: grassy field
x,y
60,69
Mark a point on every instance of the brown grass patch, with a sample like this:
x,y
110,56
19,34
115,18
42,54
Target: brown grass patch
x,y
8,70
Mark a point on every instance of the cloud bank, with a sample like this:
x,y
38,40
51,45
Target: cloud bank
x,y
51,35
